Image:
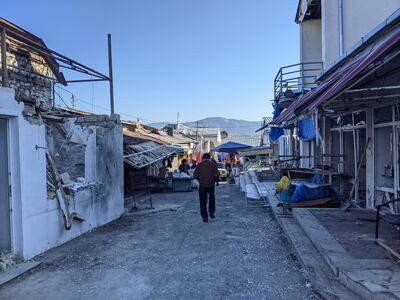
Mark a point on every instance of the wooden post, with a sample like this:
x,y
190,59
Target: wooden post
x,y
4,71
110,75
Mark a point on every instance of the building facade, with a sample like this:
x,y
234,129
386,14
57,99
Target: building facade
x,y
350,103
61,172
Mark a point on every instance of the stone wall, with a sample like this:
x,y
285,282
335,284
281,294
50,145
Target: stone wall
x,y
30,77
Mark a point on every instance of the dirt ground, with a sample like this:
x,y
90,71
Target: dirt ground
x,y
171,254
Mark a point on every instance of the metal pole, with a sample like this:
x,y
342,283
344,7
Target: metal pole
x,y
4,58
110,75
341,38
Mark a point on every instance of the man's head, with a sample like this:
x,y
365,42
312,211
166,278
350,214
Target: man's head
x,y
206,156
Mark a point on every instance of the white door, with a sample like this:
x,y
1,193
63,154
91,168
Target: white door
x,y
5,232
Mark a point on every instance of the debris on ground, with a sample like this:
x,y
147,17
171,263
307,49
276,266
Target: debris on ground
x,y
7,260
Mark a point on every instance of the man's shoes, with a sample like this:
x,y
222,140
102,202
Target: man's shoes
x,y
212,216
205,220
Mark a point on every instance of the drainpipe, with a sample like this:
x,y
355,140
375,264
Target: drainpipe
x,y
341,42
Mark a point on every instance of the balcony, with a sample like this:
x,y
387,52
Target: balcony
x,y
295,80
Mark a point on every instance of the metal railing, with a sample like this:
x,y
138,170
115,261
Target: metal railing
x,y
297,78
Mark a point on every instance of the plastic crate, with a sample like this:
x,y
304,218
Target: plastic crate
x,y
182,185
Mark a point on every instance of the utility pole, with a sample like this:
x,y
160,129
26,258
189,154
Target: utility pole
x,y
73,101
197,130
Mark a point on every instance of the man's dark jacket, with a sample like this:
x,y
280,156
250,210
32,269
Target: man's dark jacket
x,y
206,173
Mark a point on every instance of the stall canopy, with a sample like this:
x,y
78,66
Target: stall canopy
x,y
230,147
145,154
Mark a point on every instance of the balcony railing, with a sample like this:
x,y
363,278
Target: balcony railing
x,y
296,78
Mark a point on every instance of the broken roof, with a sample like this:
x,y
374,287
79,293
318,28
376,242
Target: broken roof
x,y
308,9
148,153
21,35
158,136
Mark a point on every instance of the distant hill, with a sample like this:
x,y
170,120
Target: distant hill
x,y
232,126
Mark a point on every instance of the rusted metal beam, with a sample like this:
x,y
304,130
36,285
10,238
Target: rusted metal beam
x,y
85,80
58,56
110,75
4,71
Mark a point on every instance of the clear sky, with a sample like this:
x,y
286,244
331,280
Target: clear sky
x,y
200,58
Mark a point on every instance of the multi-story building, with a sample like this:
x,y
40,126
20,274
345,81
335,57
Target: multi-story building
x,y
338,107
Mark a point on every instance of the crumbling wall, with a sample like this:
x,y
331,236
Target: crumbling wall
x,y
67,143
30,76
109,167
98,194
37,220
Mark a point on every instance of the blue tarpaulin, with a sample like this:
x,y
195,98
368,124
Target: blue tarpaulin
x,y
230,147
304,193
276,132
306,129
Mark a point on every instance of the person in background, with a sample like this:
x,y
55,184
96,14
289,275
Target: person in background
x,y
207,174
228,166
216,164
194,165
184,166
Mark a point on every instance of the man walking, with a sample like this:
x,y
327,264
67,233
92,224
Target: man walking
x,y
207,174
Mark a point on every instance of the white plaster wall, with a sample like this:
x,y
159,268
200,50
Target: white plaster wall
x,y
310,41
44,227
310,51
359,18
37,223
28,171
330,31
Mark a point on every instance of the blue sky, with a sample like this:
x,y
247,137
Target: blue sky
x,y
197,57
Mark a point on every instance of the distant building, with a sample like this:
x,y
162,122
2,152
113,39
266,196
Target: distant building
x,y
207,137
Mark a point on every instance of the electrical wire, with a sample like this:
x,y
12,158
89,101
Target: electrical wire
x,y
148,121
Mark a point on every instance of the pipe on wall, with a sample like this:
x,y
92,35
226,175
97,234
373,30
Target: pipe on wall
x,y
340,14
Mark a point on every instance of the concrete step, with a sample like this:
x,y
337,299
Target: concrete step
x,y
320,274
369,278
322,277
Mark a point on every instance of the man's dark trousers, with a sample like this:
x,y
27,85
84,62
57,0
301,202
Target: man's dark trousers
x,y
205,191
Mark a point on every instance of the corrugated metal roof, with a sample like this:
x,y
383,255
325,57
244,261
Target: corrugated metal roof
x,y
145,154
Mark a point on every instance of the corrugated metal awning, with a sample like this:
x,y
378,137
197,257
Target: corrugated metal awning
x,y
337,83
145,154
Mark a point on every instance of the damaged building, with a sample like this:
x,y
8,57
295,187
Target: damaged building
x,y
61,172
151,155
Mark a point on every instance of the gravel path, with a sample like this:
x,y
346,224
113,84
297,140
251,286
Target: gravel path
x,y
172,254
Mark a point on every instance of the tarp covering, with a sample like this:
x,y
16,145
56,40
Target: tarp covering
x,y
276,132
230,147
304,193
306,129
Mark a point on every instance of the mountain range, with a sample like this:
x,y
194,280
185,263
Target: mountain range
x,y
232,126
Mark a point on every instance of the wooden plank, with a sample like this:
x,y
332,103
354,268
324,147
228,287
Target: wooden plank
x,y
61,197
311,203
